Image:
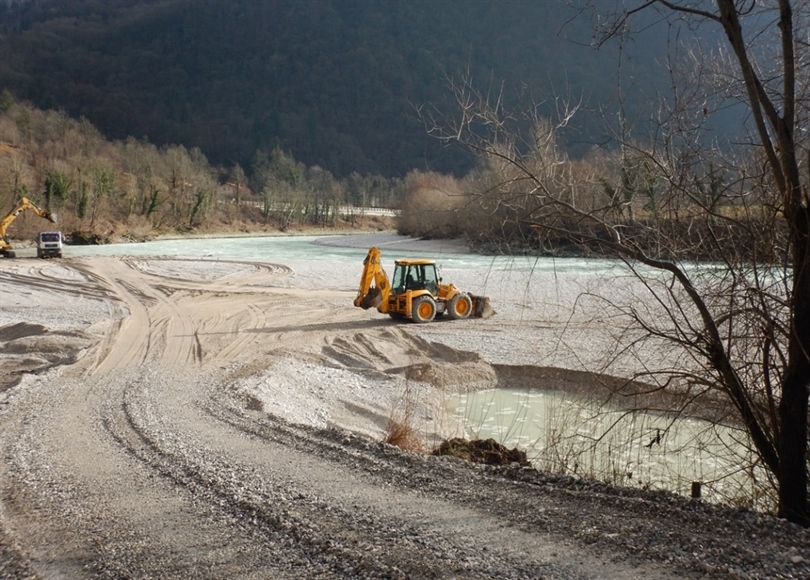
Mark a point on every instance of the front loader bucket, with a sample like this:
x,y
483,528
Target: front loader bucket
x,y
481,307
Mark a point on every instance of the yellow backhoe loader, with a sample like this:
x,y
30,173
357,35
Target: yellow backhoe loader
x,y
24,204
416,292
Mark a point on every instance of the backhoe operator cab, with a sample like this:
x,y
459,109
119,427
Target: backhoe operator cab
x,y
415,275
415,292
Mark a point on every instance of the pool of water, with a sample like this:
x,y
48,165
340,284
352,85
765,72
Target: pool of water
x,y
569,434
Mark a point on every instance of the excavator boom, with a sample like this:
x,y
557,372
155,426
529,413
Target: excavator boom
x,y
24,204
374,285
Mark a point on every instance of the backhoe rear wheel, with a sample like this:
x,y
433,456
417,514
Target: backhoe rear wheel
x,y
459,306
423,309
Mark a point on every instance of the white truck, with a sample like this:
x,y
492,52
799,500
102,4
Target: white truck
x,y
49,244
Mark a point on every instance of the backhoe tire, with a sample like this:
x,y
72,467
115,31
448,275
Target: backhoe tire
x,y
423,309
459,307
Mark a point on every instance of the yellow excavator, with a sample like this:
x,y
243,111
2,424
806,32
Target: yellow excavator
x,y
24,204
416,292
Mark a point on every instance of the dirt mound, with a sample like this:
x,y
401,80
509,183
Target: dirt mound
x,y
21,330
55,347
87,238
486,451
33,348
455,377
394,351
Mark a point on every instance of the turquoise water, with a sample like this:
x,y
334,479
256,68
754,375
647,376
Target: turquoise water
x,y
279,248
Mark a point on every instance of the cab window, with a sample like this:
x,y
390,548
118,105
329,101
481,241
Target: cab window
x,y
398,283
430,278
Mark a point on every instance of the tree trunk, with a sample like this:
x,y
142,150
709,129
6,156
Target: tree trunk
x,y
792,473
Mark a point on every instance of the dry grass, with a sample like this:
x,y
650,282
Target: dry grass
x,y
403,435
400,430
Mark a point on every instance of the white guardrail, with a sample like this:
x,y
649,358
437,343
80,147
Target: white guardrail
x,y
381,211
342,210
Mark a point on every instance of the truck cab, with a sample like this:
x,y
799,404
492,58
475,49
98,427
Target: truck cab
x,y
49,244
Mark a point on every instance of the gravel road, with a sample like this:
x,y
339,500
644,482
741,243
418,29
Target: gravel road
x,y
168,418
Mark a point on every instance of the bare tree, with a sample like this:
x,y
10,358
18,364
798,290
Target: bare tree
x,y
239,179
738,334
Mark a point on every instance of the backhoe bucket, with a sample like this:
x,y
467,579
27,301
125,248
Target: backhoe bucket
x,y
481,307
371,300
51,217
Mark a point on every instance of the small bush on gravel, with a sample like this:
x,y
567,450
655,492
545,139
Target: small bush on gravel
x,y
403,436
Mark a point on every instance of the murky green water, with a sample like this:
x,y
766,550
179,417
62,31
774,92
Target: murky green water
x,y
564,433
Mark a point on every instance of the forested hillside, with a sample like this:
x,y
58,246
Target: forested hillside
x,y
336,83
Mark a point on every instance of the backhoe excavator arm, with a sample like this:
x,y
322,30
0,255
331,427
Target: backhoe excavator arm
x,y
25,204
374,286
